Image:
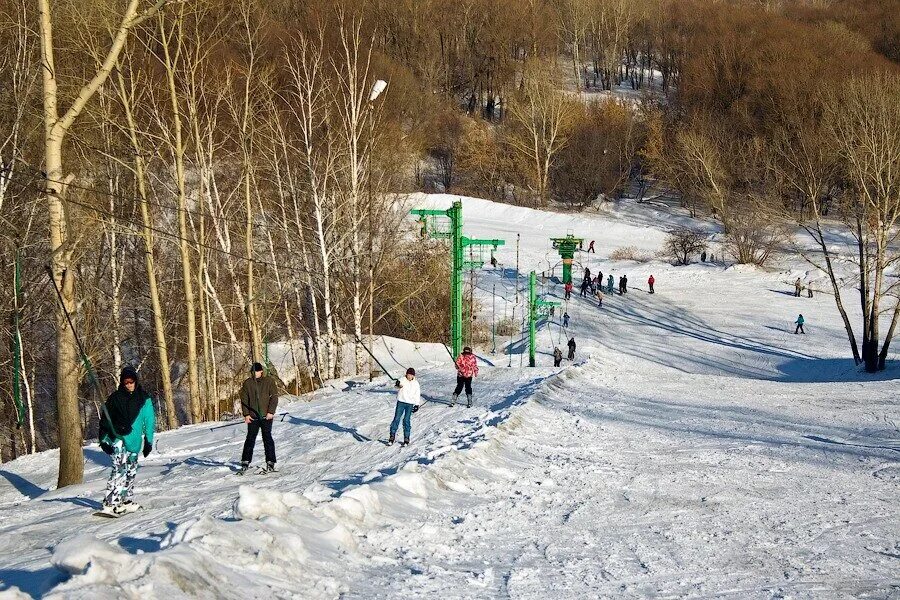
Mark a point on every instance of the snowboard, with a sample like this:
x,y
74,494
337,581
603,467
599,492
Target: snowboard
x,y
109,514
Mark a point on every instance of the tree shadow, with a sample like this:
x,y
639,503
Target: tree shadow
x,y
330,426
77,501
22,485
34,583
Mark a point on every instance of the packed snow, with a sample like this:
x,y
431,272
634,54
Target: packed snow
x,y
694,448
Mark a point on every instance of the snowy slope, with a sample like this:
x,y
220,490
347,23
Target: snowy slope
x,y
696,448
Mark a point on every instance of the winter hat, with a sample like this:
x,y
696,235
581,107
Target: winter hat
x,y
411,371
257,367
128,373
467,350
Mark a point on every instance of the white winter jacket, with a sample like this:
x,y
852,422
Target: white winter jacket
x,y
410,392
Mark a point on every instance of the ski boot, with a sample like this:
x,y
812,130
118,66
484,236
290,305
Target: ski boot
x,y
405,443
245,466
468,400
268,468
391,441
129,506
453,402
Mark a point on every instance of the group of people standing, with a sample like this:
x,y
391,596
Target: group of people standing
x,y
128,422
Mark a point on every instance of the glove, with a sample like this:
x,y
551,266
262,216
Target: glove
x,y
148,447
106,448
415,408
396,383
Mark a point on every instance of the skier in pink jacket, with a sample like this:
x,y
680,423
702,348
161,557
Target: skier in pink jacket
x,y
466,369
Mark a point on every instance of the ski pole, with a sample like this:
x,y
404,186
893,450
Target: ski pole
x,y
360,342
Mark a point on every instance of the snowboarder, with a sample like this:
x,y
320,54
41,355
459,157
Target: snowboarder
x,y
599,295
572,349
798,287
650,282
557,357
609,284
565,319
568,288
466,369
259,401
409,399
591,248
126,428
799,325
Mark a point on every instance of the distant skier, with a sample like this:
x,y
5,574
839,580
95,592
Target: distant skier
x,y
809,291
493,260
259,401
599,296
587,273
609,284
799,325
650,282
409,399
585,285
624,284
591,248
466,369
566,320
572,349
621,285
557,357
568,289
126,428
703,256
798,287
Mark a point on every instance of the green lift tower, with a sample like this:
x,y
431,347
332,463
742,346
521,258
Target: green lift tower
x,y
567,247
430,218
536,308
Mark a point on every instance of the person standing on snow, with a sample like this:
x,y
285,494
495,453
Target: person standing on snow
x,y
799,325
599,295
609,284
798,287
650,282
259,400
565,319
591,248
409,399
568,289
572,349
624,284
557,357
466,369
585,284
126,428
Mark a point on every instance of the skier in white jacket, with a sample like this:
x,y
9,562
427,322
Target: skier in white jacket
x,y
409,399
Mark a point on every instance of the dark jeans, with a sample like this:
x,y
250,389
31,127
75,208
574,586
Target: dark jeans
x,y
571,353
463,381
799,328
557,361
402,411
651,288
268,443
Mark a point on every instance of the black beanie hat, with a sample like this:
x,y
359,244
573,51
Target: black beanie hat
x,y
128,373
257,367
411,371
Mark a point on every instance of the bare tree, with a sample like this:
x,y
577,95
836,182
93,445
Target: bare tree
x,y
683,243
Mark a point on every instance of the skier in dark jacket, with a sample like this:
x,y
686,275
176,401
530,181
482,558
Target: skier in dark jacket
x,y
259,401
572,349
565,319
799,325
127,424
624,284
557,357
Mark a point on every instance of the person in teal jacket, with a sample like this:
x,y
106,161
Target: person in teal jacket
x,y
127,423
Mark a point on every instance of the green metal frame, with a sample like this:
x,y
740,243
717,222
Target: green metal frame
x,y
458,245
536,308
567,247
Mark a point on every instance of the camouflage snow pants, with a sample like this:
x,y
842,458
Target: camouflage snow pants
x,y
120,487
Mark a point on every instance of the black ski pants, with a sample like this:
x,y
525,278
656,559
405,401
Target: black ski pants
x,y
268,443
463,382
799,329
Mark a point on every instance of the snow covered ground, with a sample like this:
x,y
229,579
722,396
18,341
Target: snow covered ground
x,y
695,448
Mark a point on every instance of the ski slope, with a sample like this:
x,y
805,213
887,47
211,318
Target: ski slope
x,y
695,448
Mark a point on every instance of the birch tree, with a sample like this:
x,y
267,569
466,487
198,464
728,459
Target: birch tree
x,y
57,124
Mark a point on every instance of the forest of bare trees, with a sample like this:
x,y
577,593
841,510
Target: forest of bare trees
x,y
183,182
